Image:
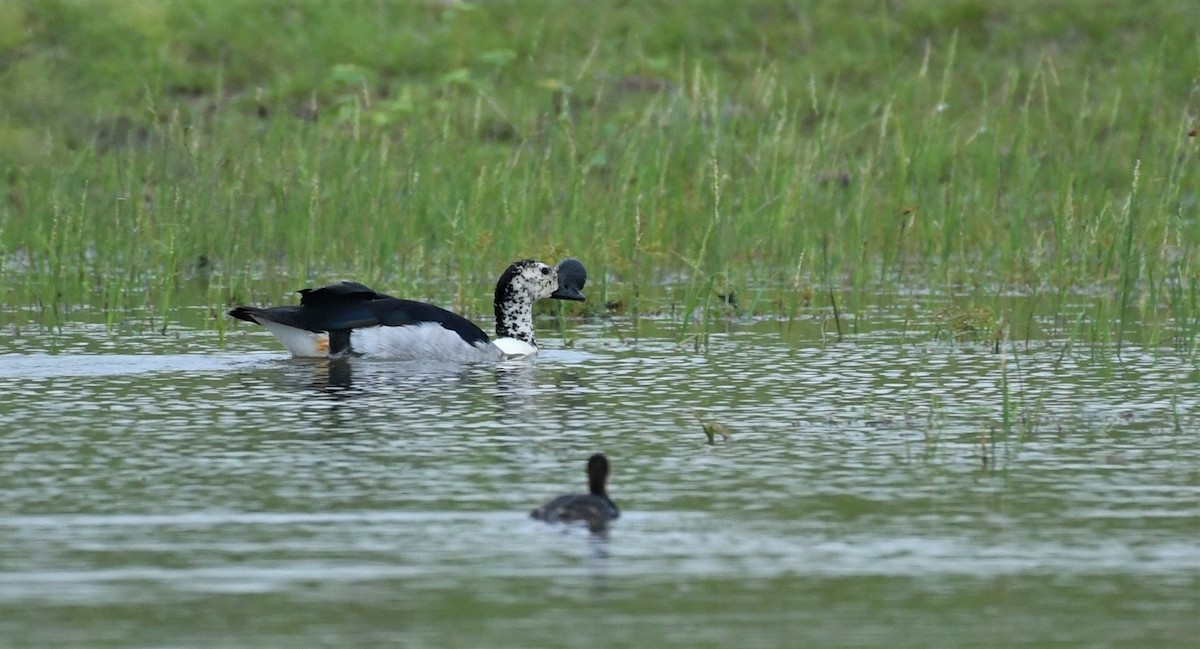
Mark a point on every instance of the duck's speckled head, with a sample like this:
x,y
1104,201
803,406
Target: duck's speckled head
x,y
527,279
522,283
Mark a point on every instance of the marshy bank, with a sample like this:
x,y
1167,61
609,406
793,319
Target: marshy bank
x,y
794,157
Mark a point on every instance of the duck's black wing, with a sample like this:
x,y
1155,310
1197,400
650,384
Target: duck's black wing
x,y
343,292
394,312
340,308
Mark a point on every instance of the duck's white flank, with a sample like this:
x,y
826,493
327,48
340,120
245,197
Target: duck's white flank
x,y
425,341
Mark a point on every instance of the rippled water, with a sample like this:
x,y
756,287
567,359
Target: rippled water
x,y
888,490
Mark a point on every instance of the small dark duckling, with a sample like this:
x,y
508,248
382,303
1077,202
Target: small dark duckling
x,y
594,508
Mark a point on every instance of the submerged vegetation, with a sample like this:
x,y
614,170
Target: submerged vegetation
x,y
801,156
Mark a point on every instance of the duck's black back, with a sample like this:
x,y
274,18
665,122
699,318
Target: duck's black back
x,y
350,305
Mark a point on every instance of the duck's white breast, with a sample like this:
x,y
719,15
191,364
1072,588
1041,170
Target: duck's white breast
x,y
514,347
428,340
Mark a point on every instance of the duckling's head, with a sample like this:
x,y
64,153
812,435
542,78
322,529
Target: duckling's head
x,y
597,470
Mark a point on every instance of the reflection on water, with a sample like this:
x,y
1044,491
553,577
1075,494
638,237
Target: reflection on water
x,y
886,490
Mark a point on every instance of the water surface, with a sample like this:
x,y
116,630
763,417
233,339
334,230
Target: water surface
x,y
892,489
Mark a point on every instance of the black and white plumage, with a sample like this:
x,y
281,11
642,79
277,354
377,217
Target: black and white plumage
x,y
350,319
594,508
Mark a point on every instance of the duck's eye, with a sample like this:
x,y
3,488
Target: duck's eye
x,y
545,270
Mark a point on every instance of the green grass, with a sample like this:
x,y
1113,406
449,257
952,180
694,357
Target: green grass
x,y
163,154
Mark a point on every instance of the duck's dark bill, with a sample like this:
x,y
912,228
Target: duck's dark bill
x,y
568,293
